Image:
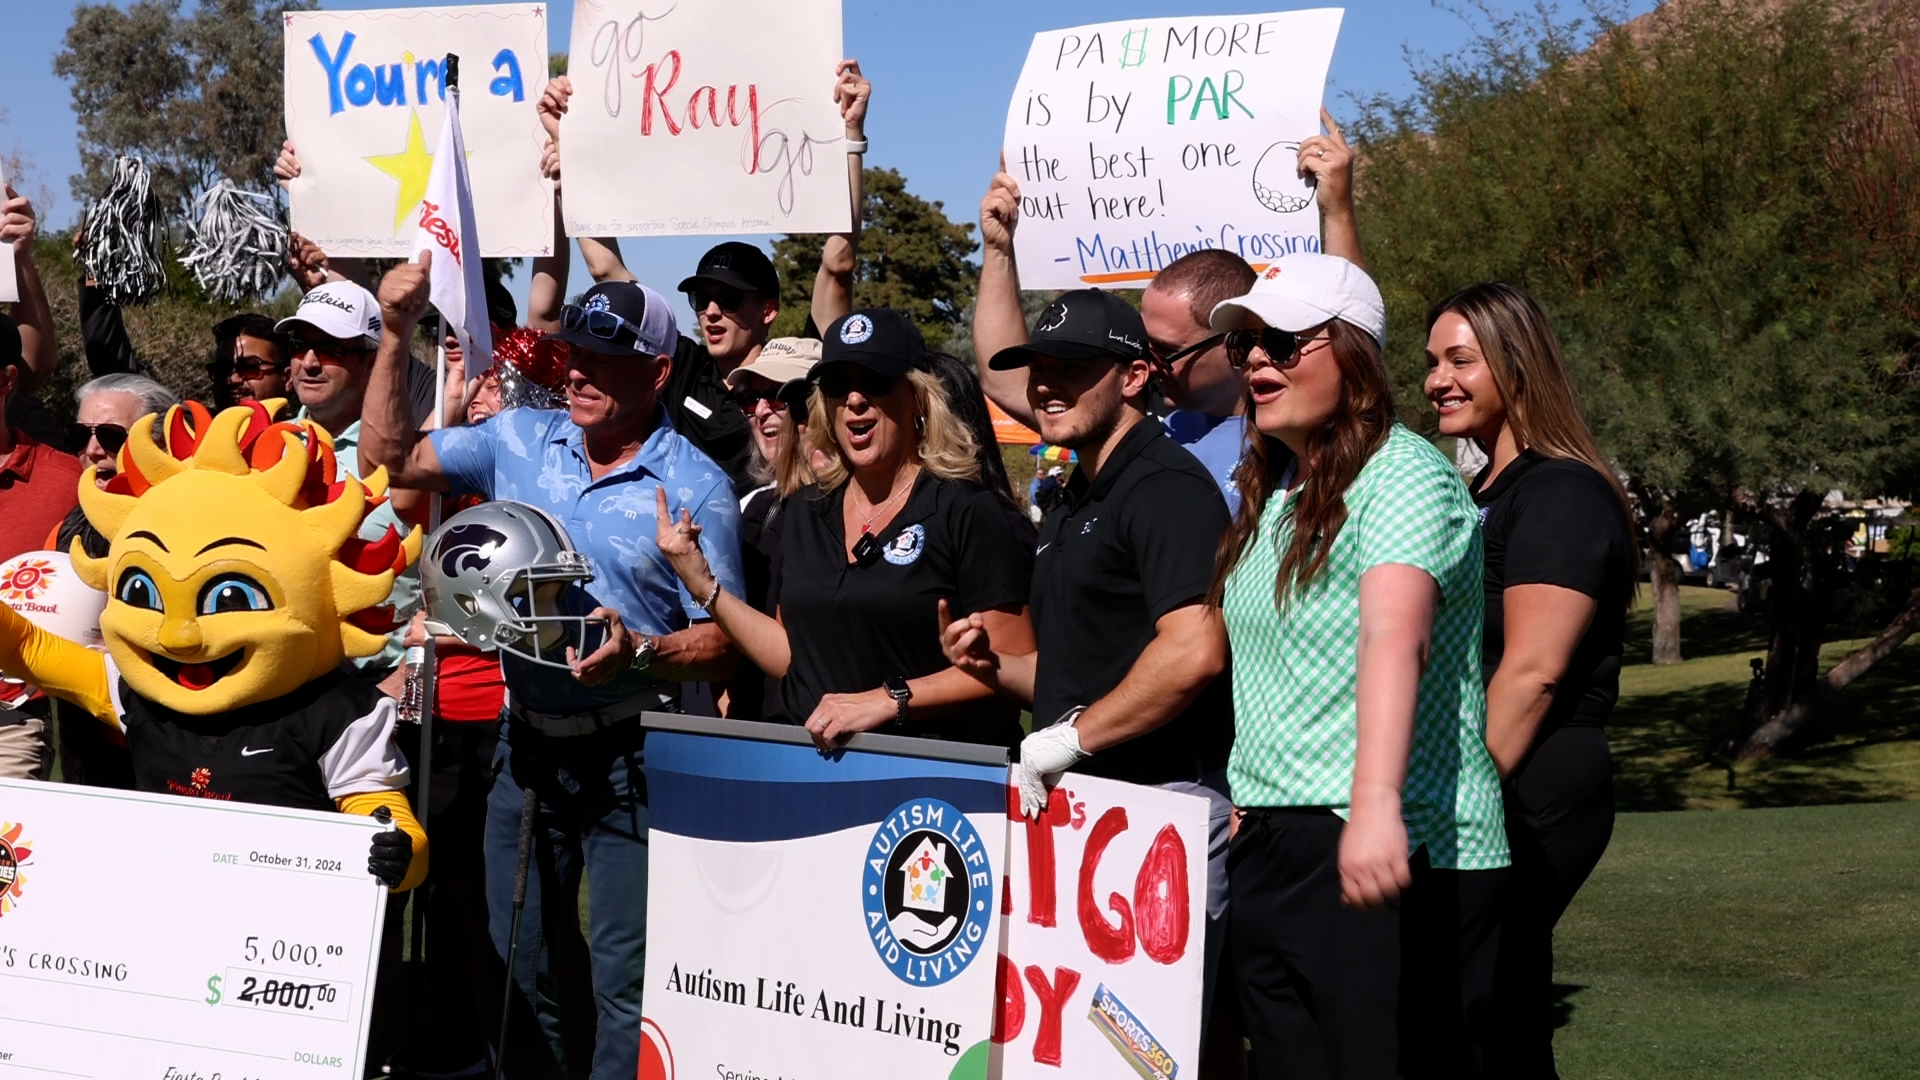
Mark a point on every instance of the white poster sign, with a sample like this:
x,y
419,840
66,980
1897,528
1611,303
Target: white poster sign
x,y
365,94
9,288
1136,142
813,916
1105,937
160,936
711,118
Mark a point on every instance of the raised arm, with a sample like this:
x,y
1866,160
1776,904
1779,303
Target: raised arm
x,y
31,313
309,265
839,257
601,253
1329,161
388,435
61,668
998,321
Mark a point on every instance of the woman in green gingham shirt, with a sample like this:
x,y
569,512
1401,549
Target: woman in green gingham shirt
x,y
1367,870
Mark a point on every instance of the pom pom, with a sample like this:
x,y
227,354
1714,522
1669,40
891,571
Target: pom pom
x,y
126,238
238,245
532,368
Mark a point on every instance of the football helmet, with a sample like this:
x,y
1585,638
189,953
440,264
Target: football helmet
x,y
504,575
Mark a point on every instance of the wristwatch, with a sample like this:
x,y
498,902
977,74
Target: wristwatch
x,y
901,693
643,654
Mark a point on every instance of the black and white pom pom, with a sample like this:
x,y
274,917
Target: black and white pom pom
x,y
126,236
238,248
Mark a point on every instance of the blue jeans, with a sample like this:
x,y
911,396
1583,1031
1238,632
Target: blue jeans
x,y
593,816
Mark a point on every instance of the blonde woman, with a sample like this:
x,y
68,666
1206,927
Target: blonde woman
x,y
897,520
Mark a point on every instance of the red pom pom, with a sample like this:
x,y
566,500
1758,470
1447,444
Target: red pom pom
x,y
539,358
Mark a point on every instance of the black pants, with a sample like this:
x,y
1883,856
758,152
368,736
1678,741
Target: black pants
x,y
1327,991
1559,819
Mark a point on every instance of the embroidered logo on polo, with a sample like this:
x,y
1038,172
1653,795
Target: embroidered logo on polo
x,y
927,892
1051,319
856,329
902,550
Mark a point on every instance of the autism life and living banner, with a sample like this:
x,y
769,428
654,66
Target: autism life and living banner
x,y
814,916
1105,939
364,98
1136,142
710,118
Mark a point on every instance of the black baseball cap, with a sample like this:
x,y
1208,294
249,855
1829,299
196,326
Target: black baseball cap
x,y
1084,324
742,266
879,339
646,324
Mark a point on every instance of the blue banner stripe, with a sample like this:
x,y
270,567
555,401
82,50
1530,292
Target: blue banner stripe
x,y
754,811
747,759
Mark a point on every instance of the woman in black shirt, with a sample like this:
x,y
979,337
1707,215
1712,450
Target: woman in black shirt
x,y
1560,568
898,521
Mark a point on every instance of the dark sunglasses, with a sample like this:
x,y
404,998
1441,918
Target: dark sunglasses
x,y
111,436
747,397
600,323
1281,346
1172,358
838,382
251,367
326,348
728,299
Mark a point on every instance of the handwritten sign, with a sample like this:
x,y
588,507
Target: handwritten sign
x,y
365,94
1137,142
1105,939
707,119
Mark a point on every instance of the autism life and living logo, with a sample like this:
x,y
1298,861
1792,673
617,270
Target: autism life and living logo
x,y
14,854
927,892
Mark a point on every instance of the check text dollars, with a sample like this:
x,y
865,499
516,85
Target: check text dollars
x,y
883,1016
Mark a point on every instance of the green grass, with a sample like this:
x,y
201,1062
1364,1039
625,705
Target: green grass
x,y
1670,719
1773,943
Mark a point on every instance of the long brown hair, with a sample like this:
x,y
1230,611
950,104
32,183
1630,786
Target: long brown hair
x,y
1523,355
1335,455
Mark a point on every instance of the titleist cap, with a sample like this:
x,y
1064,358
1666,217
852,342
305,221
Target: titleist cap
x,y
340,310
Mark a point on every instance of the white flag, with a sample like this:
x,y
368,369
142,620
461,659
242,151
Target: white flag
x,y
446,228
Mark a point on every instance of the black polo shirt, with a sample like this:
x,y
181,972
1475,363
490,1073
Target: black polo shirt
x,y
851,627
1116,555
701,409
1553,521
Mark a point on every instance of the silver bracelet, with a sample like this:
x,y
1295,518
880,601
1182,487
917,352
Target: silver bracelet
x,y
856,146
707,604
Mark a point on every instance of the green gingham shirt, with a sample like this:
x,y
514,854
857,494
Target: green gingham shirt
x,y
1294,670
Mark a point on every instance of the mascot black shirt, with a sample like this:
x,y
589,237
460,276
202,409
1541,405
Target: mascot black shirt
x,y
330,738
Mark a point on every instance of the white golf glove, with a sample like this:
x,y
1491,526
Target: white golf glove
x,y
1044,755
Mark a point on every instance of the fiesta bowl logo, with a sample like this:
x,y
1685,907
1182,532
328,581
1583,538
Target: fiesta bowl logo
x,y
927,892
13,855
29,580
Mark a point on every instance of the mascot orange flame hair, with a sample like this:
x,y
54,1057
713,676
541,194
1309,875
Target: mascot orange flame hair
x,y
235,577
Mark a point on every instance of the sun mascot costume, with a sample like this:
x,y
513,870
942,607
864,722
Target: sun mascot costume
x,y
236,585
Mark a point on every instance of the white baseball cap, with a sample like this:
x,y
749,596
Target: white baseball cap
x,y
781,360
338,309
1303,290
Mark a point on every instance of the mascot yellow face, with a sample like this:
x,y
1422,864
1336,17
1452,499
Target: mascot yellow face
x,y
235,573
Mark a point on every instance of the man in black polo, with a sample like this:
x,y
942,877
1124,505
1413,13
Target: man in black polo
x,y
1129,678
735,295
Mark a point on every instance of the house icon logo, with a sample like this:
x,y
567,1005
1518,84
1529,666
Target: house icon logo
x,y
927,893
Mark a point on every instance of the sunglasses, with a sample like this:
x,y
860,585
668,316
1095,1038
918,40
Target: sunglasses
x,y
1172,358
728,299
251,367
841,381
747,397
1281,346
600,323
110,436
326,349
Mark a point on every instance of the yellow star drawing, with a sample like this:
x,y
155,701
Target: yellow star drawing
x,y
411,167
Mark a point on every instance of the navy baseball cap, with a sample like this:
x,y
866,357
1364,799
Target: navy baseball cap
x,y
742,266
1084,324
879,339
620,317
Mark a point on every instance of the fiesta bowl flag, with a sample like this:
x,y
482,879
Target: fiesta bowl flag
x,y
809,912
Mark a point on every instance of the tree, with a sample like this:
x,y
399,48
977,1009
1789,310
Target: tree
x,y
912,259
1683,197
197,97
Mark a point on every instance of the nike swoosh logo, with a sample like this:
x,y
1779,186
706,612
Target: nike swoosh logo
x,y
248,752
1041,548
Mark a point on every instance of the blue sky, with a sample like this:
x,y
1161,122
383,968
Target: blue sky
x,y
942,74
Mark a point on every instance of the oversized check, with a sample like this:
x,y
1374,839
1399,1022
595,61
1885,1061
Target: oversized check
x,y
152,937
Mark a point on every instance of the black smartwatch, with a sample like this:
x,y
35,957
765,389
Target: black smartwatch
x,y
901,693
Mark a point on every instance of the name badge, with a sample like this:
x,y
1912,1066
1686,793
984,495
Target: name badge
x,y
697,409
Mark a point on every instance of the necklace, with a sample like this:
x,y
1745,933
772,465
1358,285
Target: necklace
x,y
866,524
866,550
